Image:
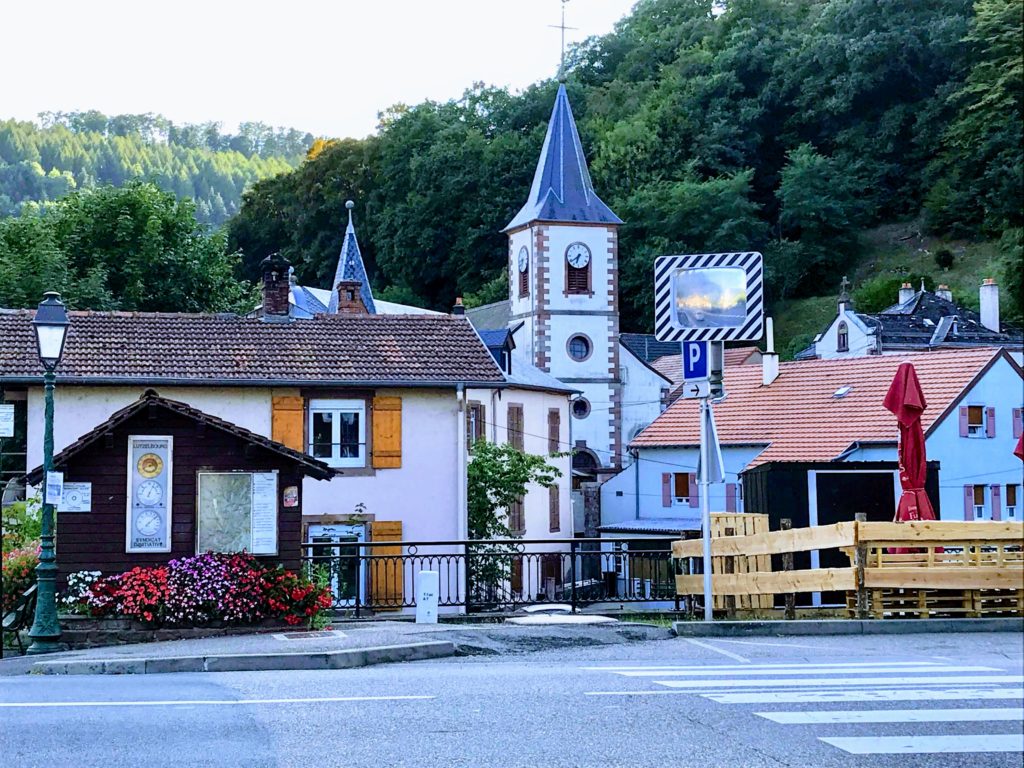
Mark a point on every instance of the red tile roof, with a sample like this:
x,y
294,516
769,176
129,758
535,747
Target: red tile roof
x,y
157,348
671,366
798,417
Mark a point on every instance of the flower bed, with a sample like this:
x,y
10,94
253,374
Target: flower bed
x,y
212,588
19,573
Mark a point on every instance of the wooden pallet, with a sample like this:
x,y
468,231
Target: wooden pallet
x,y
740,524
926,603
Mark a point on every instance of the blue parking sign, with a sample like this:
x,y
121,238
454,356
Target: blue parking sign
x,y
695,360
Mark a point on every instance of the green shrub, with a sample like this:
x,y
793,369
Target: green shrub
x,y
943,258
880,292
22,523
19,573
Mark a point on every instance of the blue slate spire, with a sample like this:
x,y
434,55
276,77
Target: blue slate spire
x,y
562,190
350,267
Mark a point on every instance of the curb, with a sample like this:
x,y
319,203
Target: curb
x,y
825,627
249,662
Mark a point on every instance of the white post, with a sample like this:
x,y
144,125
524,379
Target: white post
x,y
427,587
705,506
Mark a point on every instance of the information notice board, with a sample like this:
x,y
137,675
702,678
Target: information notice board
x,y
236,511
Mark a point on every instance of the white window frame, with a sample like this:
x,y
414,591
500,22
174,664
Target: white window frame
x,y
1010,510
979,509
337,407
680,501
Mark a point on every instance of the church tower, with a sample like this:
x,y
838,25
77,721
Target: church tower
x,y
563,280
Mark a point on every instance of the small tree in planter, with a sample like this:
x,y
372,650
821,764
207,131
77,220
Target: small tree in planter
x,y
497,478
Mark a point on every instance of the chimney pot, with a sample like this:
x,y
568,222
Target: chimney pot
x,y
906,293
989,299
769,358
276,287
350,298
459,308
943,292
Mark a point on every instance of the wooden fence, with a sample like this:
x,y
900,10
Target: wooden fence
x,y
971,568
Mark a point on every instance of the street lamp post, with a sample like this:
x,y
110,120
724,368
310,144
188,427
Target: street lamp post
x,y
51,327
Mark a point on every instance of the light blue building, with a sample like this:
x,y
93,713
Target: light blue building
x,y
826,416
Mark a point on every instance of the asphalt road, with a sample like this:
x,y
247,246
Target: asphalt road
x,y
832,701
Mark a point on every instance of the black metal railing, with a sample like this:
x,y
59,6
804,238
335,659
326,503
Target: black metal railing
x,y
495,575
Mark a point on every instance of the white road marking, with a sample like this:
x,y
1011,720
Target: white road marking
x,y
722,651
919,745
748,667
830,682
769,645
899,694
895,716
200,702
638,693
839,668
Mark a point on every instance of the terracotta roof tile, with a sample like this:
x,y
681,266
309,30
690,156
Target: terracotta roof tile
x,y
798,417
163,347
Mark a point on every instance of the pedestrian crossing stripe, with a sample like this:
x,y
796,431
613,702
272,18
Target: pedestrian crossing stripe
x,y
845,695
881,669
820,717
830,682
790,665
922,745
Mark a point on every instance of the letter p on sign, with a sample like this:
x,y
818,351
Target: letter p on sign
x,y
695,360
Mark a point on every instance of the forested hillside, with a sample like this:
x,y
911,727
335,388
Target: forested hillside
x,y
784,125
76,150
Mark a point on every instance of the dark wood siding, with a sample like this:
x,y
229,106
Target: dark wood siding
x,y
96,540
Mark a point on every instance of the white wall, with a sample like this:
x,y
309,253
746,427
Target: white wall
x,y
535,440
860,342
643,390
979,460
648,469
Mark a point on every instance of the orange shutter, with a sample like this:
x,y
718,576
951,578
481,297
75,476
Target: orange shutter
x,y
287,422
387,575
387,432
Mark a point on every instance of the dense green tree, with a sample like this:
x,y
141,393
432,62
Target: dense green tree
x,y
131,248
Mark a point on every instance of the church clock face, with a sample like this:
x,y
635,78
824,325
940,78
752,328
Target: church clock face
x,y
524,259
578,255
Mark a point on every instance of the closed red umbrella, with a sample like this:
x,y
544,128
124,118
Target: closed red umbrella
x,y
906,400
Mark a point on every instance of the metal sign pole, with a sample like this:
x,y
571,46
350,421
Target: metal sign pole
x,y
705,506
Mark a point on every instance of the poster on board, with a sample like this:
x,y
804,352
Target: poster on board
x,y
236,511
149,493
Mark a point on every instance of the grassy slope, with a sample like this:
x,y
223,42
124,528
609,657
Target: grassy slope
x,y
893,250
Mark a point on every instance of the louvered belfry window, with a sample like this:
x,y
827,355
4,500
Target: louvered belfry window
x,y
524,282
577,280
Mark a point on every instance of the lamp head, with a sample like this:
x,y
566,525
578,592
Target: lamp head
x,y
51,326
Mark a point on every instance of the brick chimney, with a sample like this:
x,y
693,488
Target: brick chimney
x,y
943,292
459,308
276,288
906,293
350,298
989,295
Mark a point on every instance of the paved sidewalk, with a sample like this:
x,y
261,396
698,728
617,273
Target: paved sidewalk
x,y
346,645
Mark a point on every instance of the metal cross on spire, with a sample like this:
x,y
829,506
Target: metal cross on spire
x,y
562,27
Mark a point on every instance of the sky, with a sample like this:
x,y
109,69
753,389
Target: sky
x,y
324,67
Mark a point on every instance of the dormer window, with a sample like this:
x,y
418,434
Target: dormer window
x,y
843,338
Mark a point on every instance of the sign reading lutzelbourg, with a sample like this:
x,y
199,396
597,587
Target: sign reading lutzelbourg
x,y
149,493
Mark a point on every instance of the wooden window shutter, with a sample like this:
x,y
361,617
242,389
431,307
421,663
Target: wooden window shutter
x,y
387,432
577,280
288,423
968,502
554,518
730,497
694,490
524,282
666,489
997,506
1018,421
963,421
515,426
387,576
990,422
554,430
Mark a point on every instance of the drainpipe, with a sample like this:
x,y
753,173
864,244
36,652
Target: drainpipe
x,y
462,491
636,483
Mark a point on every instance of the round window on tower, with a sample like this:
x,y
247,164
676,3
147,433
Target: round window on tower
x,y
581,407
579,347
